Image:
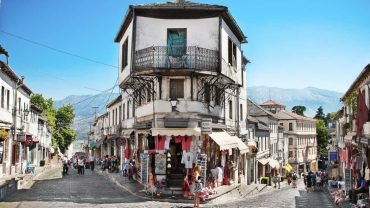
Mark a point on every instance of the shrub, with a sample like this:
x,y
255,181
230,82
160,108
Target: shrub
x,y
265,180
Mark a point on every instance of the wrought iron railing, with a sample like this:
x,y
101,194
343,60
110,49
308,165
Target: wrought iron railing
x,y
164,57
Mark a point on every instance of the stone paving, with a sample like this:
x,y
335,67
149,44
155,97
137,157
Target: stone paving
x,y
93,190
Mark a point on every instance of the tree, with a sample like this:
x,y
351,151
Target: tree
x,y
299,109
60,121
320,114
322,137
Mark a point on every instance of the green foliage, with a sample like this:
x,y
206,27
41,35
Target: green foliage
x,y
323,137
60,121
352,102
299,109
320,114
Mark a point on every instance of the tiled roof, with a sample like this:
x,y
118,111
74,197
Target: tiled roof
x,y
286,115
271,102
176,4
182,5
118,99
363,75
13,76
256,110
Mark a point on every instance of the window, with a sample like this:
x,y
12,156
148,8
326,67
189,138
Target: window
x,y
176,42
290,127
217,96
242,78
207,93
133,109
7,99
148,95
120,113
19,105
124,112
232,53
116,116
290,141
176,88
230,109
128,109
241,112
124,54
290,153
2,96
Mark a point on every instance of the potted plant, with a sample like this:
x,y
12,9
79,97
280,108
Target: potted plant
x,y
4,134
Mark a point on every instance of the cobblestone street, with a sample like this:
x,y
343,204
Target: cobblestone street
x,y
93,190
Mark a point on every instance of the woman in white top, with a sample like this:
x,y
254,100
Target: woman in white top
x,y
81,164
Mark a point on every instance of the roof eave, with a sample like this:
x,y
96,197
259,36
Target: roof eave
x,y
355,84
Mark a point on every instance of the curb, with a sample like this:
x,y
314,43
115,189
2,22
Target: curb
x,y
184,201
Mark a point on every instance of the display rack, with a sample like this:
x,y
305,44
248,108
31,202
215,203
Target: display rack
x,y
202,162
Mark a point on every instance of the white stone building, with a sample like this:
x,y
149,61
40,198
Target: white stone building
x,y
182,75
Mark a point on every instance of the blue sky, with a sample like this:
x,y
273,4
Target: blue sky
x,y
292,44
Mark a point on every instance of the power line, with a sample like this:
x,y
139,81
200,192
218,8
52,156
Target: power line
x,y
93,96
57,50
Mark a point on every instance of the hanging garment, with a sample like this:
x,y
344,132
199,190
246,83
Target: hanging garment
x,y
167,142
187,143
223,159
161,142
187,159
151,144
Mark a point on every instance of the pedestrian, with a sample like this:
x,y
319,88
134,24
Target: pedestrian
x,y
309,182
289,178
197,185
278,178
294,177
65,165
92,162
81,165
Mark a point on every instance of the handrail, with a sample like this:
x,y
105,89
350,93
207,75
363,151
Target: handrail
x,y
176,57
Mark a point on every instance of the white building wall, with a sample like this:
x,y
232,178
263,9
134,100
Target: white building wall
x,y
123,74
5,113
230,71
199,32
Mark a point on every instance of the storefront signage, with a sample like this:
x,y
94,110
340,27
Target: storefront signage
x,y
347,178
160,163
333,156
206,126
144,168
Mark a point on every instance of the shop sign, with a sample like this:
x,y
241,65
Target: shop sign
x,y
347,178
206,126
364,141
333,156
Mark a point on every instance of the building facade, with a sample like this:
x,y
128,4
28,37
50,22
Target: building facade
x,y
183,100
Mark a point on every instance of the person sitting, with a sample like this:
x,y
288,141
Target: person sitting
x,y
361,187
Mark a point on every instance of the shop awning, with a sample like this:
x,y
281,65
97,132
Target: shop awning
x,y
98,143
263,161
241,145
176,131
127,133
224,140
274,163
252,143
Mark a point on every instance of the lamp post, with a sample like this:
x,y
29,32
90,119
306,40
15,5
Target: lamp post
x,y
18,84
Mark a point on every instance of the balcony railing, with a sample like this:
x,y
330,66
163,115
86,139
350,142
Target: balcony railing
x,y
164,58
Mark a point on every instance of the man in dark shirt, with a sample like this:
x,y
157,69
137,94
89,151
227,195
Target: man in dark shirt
x,y
361,187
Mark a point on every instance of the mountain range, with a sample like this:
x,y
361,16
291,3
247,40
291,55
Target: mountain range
x,y
310,97
85,107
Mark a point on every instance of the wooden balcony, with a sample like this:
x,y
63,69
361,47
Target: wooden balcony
x,y
164,59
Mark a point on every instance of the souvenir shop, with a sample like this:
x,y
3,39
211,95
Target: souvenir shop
x,y
165,159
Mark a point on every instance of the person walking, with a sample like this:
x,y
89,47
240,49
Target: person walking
x,y
294,180
197,185
92,162
65,165
278,178
309,182
81,165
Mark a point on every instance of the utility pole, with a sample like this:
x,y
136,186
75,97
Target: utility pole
x,y
18,84
95,108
